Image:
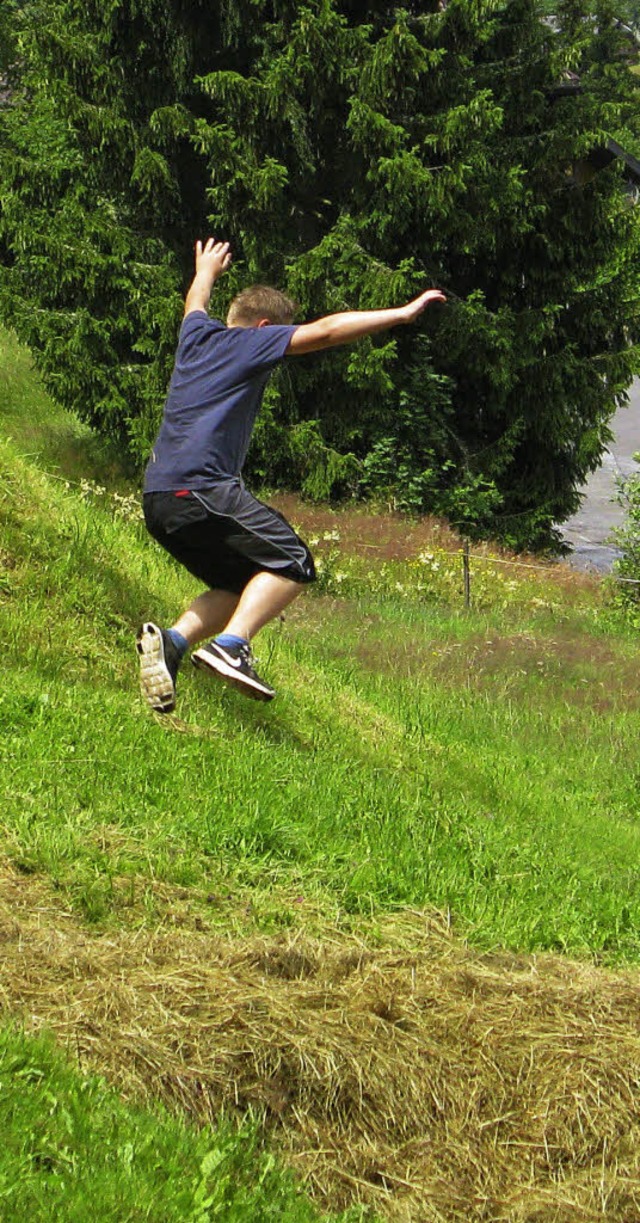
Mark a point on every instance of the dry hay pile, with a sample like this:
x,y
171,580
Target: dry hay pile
x,y
406,1072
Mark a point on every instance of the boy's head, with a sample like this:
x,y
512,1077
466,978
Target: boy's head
x,y
260,305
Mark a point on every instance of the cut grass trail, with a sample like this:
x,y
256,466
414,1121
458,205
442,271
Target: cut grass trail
x,y
434,1083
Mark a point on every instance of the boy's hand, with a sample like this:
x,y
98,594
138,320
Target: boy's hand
x,y
212,258
414,308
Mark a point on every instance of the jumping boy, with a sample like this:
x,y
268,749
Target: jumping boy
x,y
195,503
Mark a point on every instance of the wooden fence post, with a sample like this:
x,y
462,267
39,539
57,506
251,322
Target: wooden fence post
x,y
466,572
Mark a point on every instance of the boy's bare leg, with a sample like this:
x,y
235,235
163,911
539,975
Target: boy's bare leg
x,y
228,656
262,599
207,615
160,655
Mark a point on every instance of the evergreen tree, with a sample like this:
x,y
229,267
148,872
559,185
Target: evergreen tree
x,y
353,161
7,19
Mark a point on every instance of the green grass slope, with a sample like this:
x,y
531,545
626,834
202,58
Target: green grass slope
x,y
484,764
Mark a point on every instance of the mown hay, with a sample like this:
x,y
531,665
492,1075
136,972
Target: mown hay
x,y
403,1071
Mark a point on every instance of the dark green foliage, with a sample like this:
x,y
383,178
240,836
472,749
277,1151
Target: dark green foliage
x,y
354,162
8,12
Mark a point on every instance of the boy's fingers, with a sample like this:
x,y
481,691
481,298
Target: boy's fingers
x,y
212,246
432,295
220,250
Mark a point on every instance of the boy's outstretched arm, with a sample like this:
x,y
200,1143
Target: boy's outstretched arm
x,y
212,259
337,329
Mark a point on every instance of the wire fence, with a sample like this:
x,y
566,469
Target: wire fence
x,y
468,557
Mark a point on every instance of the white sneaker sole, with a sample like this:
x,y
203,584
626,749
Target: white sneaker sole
x,y
156,684
205,661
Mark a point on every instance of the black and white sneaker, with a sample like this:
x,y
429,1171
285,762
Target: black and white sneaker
x,y
159,663
234,665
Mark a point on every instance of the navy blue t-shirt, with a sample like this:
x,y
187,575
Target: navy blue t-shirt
x,y
216,389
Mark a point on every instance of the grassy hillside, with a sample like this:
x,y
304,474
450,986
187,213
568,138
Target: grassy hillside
x,y
485,764
481,765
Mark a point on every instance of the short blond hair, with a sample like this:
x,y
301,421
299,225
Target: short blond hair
x,y
259,302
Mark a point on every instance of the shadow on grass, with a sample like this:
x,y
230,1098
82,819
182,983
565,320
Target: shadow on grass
x,y
264,720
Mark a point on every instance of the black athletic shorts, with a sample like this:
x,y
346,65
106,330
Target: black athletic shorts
x,y
224,536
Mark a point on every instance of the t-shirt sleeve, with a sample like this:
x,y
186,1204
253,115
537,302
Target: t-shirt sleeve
x,y
251,349
260,348
198,328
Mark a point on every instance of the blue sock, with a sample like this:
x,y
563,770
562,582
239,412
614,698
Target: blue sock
x,y
229,639
178,640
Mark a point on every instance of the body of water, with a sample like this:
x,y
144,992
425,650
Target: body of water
x,y
589,531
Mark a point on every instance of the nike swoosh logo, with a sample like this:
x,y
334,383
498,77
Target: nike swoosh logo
x,y
233,662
